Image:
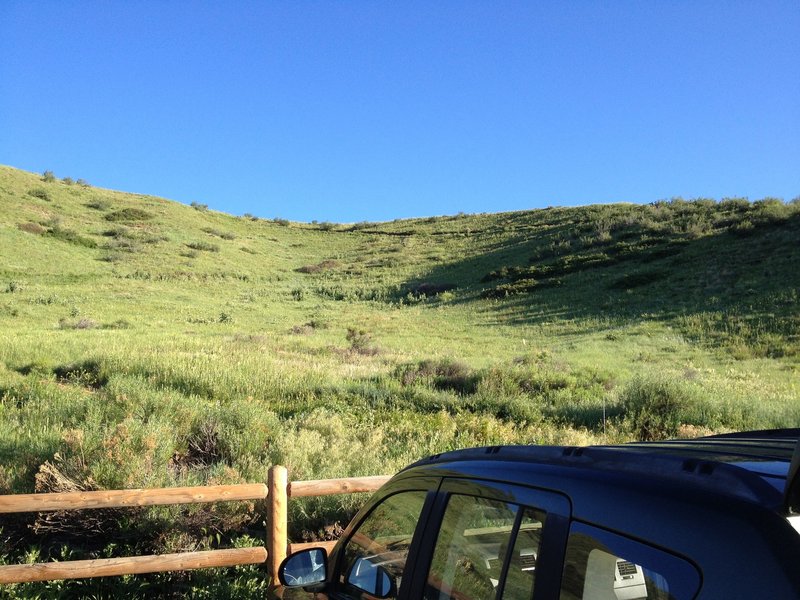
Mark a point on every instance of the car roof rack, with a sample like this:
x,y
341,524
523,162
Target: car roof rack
x,y
760,466
791,497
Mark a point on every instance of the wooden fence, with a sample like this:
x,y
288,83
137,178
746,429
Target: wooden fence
x,y
277,492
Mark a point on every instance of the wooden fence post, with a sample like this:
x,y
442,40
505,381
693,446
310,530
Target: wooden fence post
x,y
277,517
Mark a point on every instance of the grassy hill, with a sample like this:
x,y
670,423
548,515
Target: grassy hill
x,y
148,343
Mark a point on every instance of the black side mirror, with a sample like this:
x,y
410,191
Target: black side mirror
x,y
371,578
307,567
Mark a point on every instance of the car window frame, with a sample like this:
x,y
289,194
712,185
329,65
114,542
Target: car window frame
x,y
337,569
555,505
682,574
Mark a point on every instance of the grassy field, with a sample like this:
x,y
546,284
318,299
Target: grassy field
x,y
147,343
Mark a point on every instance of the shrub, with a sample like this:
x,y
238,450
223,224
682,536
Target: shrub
x,y
83,323
83,183
34,228
279,221
68,180
72,237
633,280
198,206
118,324
325,265
743,228
40,193
225,235
117,232
98,205
129,214
12,287
655,406
427,288
361,342
123,245
48,176
89,373
736,204
204,246
442,374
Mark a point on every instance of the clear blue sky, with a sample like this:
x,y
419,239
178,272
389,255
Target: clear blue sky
x,y
348,110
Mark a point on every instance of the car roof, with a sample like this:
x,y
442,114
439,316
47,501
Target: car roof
x,y
757,466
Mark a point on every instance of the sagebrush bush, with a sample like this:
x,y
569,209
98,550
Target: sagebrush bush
x,y
70,236
442,374
204,246
98,204
34,228
655,406
82,323
361,342
129,214
225,235
40,193
325,265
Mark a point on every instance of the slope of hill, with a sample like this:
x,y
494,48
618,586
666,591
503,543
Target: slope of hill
x,y
149,343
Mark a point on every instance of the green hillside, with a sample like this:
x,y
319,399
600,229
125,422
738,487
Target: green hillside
x,y
147,343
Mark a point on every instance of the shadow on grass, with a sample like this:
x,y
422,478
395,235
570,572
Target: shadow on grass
x,y
662,278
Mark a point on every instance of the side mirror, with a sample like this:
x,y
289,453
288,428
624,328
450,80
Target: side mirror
x,y
307,567
371,578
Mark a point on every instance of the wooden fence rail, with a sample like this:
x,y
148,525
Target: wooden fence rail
x,y
276,493
125,498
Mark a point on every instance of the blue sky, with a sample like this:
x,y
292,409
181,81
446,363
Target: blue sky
x,y
348,111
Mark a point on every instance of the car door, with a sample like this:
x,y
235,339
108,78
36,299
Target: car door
x,y
491,541
377,555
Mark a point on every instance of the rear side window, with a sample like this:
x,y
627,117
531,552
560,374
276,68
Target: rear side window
x,y
485,550
600,565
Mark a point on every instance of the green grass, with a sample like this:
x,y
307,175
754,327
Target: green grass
x,y
156,344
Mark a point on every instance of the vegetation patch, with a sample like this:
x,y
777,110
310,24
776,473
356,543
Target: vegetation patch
x,y
428,288
101,205
40,193
203,246
638,279
655,407
89,373
33,228
225,235
442,374
129,214
361,342
70,236
325,265
82,323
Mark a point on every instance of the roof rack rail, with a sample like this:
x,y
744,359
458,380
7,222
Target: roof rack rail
x,y
791,495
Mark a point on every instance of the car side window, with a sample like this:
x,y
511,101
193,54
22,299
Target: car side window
x,y
376,553
600,565
485,550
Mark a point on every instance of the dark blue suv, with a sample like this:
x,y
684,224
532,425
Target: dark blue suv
x,y
715,517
